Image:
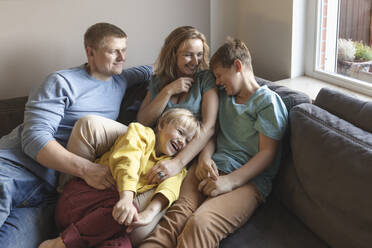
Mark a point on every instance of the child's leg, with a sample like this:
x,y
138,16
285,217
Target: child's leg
x,y
86,215
94,135
171,225
219,216
91,137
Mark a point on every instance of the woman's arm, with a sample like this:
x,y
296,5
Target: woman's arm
x,y
150,111
256,165
206,166
209,116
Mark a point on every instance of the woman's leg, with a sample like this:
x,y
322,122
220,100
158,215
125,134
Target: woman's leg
x,y
91,137
219,216
171,225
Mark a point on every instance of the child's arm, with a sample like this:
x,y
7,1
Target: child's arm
x,y
157,204
244,174
124,212
206,166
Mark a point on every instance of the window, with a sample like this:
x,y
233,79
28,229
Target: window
x,y
339,48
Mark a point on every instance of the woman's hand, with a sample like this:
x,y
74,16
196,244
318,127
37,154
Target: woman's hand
x,y
163,170
211,187
206,168
180,85
124,211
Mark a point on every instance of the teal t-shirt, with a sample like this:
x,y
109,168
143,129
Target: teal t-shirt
x,y
203,81
240,125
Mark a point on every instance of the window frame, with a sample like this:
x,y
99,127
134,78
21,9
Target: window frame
x,y
312,54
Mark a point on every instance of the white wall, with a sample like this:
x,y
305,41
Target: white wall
x,y
266,27
41,36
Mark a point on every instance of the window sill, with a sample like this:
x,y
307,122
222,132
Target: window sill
x,y
312,86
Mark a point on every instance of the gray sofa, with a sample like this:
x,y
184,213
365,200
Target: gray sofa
x,y
322,194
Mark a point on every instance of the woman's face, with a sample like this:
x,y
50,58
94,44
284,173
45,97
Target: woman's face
x,y
189,56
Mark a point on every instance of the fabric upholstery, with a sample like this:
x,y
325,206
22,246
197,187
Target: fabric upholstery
x,y
332,173
346,107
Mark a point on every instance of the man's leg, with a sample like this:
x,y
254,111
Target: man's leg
x,y
219,216
90,138
26,207
171,225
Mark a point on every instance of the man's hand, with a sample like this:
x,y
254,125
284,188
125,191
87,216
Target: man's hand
x,y
211,187
206,168
98,176
144,218
124,211
163,170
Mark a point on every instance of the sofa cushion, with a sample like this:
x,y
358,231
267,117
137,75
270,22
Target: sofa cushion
x,y
346,107
11,113
331,183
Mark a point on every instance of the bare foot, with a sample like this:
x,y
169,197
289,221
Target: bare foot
x,y
53,243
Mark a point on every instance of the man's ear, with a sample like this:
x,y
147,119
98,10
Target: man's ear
x,y
89,51
238,65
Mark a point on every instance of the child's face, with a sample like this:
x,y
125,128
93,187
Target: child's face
x,y
228,78
172,138
189,56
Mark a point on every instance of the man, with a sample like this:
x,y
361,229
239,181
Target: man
x,y
31,154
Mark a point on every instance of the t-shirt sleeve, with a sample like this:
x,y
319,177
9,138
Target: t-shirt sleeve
x,y
170,187
136,75
207,81
125,156
154,86
272,116
44,111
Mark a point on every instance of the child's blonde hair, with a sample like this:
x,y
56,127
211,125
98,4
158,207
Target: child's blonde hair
x,y
166,64
232,50
180,117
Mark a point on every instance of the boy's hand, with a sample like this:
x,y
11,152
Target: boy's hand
x,y
124,211
144,218
206,168
163,170
213,188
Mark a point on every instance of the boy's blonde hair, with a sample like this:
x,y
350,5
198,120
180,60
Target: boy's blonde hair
x,y
180,117
166,64
232,50
95,34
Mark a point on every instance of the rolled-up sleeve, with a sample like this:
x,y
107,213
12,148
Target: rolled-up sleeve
x,y
43,113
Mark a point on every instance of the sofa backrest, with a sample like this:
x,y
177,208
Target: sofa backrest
x,y
328,185
11,114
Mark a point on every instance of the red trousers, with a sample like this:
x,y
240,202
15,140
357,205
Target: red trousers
x,y
85,216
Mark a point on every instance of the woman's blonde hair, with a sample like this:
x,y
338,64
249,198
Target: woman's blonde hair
x,y
230,51
166,64
180,117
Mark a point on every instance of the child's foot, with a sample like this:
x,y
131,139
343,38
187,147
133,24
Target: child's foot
x,y
53,243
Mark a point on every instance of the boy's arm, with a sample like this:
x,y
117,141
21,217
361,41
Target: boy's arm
x,y
206,166
241,176
156,205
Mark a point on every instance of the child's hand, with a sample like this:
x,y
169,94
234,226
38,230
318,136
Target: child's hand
x,y
212,187
124,212
143,219
205,169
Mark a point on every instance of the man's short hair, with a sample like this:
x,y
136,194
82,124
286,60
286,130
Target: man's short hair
x,y
97,32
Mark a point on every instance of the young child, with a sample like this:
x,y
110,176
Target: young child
x,y
95,218
235,171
